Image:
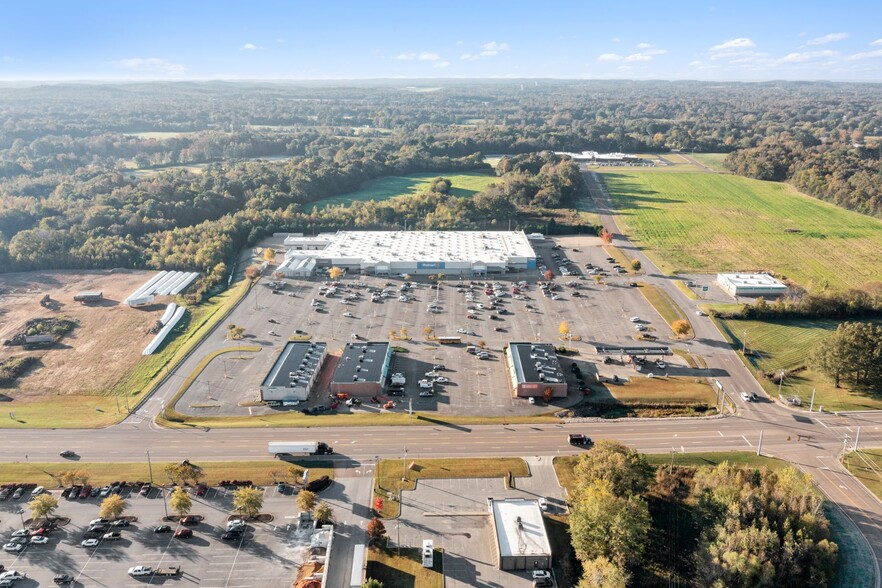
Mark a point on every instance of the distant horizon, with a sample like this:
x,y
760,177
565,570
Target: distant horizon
x,y
751,40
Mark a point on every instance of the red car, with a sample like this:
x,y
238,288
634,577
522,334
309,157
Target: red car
x,y
84,493
189,520
183,533
201,489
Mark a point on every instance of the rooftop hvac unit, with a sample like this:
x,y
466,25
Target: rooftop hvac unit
x,y
361,359
519,523
358,368
354,378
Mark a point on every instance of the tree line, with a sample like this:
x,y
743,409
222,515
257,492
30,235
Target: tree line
x,y
632,525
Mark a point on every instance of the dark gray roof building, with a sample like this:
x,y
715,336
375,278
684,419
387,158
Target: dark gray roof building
x,y
362,368
533,367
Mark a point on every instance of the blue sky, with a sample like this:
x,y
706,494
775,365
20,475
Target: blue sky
x,y
186,39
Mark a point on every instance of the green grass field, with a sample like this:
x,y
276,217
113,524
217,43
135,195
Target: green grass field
x,y
712,160
405,570
463,184
756,225
785,344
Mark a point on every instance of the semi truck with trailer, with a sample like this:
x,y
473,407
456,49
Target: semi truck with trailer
x,y
281,448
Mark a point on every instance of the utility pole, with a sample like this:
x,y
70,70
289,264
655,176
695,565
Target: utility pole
x,y
857,438
149,467
812,405
671,469
759,448
780,382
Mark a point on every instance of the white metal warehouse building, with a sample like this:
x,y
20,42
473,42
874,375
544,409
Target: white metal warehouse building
x,y
751,285
295,371
452,253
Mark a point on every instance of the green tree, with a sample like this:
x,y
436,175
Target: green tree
x,y
626,470
853,354
323,513
372,583
604,524
43,506
247,501
112,507
180,502
306,500
602,573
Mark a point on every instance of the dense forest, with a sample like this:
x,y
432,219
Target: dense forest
x,y
103,175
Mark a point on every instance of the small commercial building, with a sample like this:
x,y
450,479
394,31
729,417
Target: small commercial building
x,y
295,372
297,266
533,368
521,539
751,285
362,369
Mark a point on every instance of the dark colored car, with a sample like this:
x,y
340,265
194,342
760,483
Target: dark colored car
x,y
62,579
318,484
232,536
189,520
162,529
183,533
201,489
85,492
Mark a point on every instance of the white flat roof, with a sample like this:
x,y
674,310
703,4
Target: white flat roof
x,y
764,280
490,247
528,537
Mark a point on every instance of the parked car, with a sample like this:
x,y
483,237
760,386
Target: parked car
x,y
318,484
234,535
140,571
201,489
162,529
62,579
13,547
90,542
39,540
183,534
189,520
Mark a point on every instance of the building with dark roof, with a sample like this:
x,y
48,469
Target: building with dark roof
x,y
362,369
295,371
534,367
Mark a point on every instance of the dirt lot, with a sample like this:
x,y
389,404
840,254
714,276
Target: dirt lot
x,y
96,354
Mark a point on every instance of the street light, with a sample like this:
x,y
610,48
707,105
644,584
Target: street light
x,y
150,467
21,515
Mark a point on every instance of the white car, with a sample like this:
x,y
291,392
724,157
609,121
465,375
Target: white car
x,y
403,298
139,571
12,576
348,314
235,524
21,533
661,365
640,327
634,319
37,491
426,384
432,374
89,543
541,574
461,331
746,397
98,522
543,504
441,380
700,313
427,393
39,540
13,547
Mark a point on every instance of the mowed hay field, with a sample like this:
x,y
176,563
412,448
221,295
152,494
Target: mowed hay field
x,y
786,345
463,184
704,222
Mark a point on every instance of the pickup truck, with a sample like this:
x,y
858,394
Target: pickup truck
x,y
579,439
115,536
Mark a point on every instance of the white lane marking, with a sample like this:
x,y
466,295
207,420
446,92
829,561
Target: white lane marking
x,y
746,441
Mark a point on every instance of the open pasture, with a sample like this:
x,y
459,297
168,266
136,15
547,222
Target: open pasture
x,y
463,184
701,222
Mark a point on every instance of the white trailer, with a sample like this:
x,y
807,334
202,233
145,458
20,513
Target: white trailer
x,y
280,448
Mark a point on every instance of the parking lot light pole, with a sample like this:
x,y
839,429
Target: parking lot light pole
x,y
21,515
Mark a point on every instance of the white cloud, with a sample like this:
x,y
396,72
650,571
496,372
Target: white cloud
x,y
150,64
406,56
616,40
609,57
877,42
638,57
865,55
469,56
441,64
739,43
428,56
250,47
654,52
494,46
829,38
644,45
801,57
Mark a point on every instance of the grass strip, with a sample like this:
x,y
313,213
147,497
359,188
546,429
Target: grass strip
x,y
664,305
259,472
404,569
391,476
619,256
686,290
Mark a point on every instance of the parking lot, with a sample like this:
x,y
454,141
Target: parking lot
x,y
454,513
596,313
268,554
